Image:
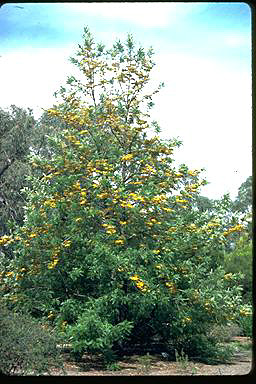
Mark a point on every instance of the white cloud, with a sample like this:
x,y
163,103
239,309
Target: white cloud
x,y
145,14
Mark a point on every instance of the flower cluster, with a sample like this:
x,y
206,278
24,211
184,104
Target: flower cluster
x,y
246,311
5,240
110,229
119,241
236,228
139,283
148,169
171,286
127,157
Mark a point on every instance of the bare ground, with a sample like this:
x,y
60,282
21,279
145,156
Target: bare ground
x,y
134,366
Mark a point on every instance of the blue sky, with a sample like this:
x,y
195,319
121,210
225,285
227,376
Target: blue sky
x,y
202,53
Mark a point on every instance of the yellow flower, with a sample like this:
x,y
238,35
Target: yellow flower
x,y
193,173
158,199
51,203
83,132
156,251
228,276
178,200
120,241
127,157
83,202
192,227
187,320
102,195
53,112
245,312
213,224
5,239
236,228
136,182
167,209
111,231
32,235
134,277
76,185
50,315
140,284
67,243
122,222
124,204
9,274
148,169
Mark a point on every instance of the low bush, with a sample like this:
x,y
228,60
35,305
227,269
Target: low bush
x,y
246,325
207,350
240,260
224,333
25,346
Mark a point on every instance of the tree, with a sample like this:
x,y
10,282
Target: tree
x,y
16,127
240,260
243,201
111,249
203,203
21,135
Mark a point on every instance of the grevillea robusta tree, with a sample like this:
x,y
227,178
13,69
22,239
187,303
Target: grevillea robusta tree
x,y
112,251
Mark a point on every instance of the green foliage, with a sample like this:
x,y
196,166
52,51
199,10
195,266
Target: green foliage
x,y
240,260
92,334
16,128
224,333
112,250
113,367
146,362
207,350
203,203
246,325
243,201
25,346
182,359
20,135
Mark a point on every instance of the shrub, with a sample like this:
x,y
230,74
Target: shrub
x,y
240,260
246,325
224,333
25,346
207,349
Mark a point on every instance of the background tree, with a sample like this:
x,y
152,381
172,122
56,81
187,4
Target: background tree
x,y
16,129
203,204
21,135
243,201
111,249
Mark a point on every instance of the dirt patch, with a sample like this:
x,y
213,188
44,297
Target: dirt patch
x,y
157,366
